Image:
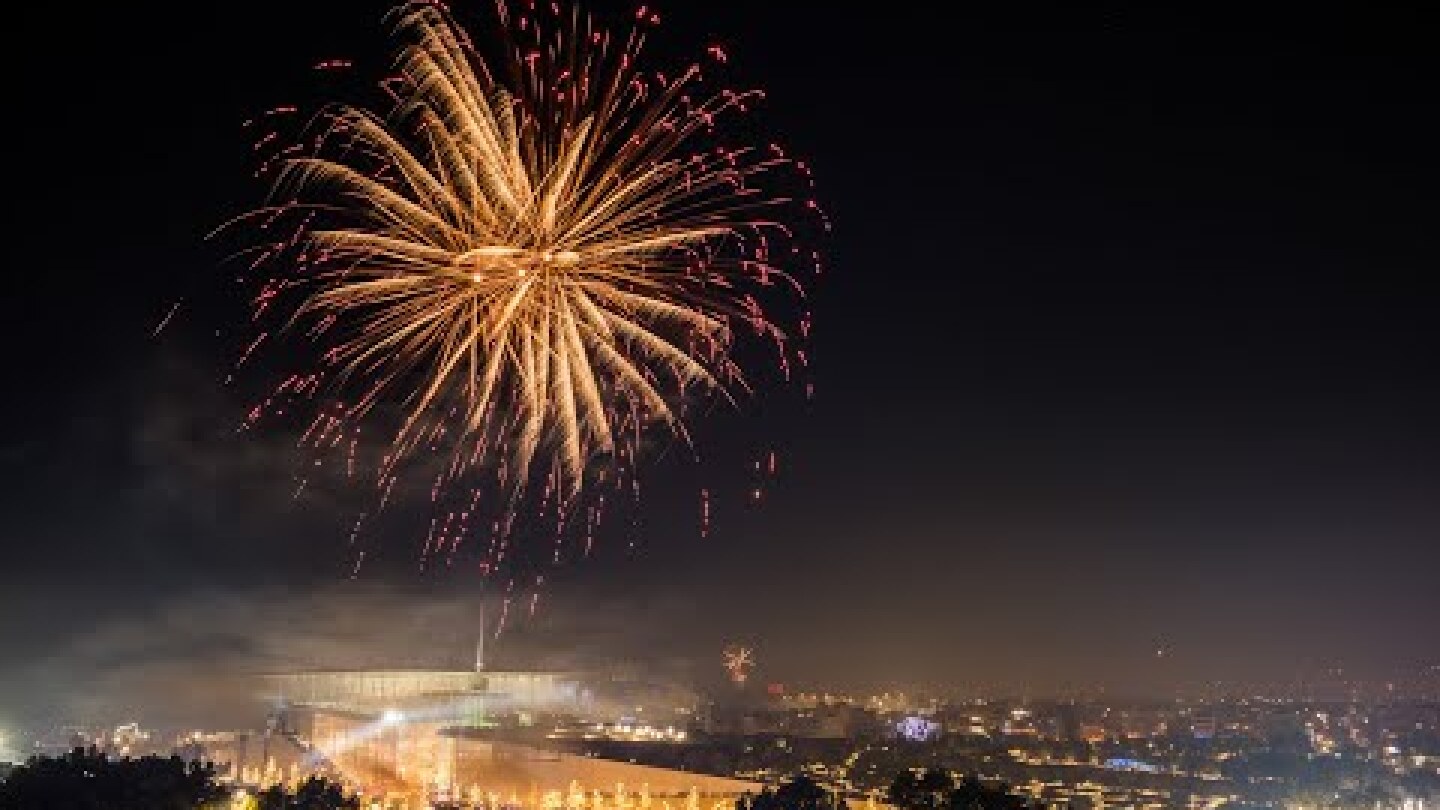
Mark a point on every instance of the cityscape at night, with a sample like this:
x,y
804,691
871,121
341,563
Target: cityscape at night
x,y
550,739
602,405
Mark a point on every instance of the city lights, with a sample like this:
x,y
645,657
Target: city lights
x,y
471,405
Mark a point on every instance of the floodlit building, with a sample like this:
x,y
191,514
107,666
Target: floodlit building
x,y
462,698
441,735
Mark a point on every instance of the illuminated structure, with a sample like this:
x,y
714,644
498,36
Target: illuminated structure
x,y
915,728
457,698
433,735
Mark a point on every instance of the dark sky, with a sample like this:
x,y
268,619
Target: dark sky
x,y
1128,340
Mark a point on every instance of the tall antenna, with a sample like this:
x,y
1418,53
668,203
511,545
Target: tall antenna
x,y
480,644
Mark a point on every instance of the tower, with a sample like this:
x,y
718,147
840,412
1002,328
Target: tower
x,y
480,643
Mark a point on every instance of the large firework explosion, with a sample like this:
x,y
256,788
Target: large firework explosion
x,y
539,258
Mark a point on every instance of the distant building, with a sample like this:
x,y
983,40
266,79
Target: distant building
x,y
820,722
1203,726
1141,722
462,698
442,735
1067,722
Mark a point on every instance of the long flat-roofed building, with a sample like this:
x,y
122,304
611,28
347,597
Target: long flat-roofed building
x,y
380,690
433,734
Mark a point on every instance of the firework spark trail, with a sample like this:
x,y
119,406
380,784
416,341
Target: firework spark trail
x,y
538,257
170,314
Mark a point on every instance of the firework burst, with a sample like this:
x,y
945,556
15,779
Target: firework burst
x,y
539,257
738,661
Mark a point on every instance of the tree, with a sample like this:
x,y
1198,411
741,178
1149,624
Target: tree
x,y
936,789
972,794
800,793
86,779
314,793
929,791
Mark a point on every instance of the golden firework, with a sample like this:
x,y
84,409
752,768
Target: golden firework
x,y
537,266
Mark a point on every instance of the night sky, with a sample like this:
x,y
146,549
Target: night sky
x,y
1127,341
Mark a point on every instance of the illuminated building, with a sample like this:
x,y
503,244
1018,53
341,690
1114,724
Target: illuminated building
x,y
464,697
436,734
1203,726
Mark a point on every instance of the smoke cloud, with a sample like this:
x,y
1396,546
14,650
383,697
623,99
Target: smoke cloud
x,y
195,662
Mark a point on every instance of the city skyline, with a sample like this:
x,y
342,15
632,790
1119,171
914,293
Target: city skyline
x,y
545,739
1123,361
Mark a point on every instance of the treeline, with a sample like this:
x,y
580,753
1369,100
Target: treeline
x,y
932,789
86,779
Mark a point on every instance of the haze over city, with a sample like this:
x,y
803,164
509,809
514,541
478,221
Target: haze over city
x,y
1123,367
